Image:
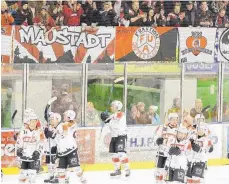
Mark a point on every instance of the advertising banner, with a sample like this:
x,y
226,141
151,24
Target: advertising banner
x,y
197,46
146,44
35,44
223,53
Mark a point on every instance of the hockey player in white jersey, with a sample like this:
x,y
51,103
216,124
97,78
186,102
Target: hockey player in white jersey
x,y
29,148
118,128
67,149
51,145
176,164
201,147
164,136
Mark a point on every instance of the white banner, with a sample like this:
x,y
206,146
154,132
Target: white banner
x,y
223,35
197,45
140,145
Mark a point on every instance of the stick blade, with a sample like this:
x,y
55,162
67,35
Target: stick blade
x,y
118,79
14,114
52,100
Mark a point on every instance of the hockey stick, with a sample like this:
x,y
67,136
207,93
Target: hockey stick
x,y
46,116
109,100
12,120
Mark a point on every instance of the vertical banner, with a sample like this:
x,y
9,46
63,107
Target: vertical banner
x,y
223,53
6,43
197,47
86,145
7,149
146,44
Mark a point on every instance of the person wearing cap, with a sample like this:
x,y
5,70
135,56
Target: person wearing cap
x,y
153,116
191,14
67,149
7,18
44,19
24,15
29,148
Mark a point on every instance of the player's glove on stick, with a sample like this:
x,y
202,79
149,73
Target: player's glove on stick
x,y
36,155
159,141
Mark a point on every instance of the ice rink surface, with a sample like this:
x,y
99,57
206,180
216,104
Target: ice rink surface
x,y
214,175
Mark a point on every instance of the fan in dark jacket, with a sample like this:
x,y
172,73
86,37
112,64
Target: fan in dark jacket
x,y
24,15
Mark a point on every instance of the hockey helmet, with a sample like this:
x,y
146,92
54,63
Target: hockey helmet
x,y
173,115
202,128
117,104
55,116
27,112
182,132
70,114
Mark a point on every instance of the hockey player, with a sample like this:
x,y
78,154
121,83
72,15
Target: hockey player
x,y
67,149
50,134
201,146
29,148
118,128
165,135
177,164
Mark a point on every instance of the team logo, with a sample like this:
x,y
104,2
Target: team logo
x,y
146,42
196,44
224,44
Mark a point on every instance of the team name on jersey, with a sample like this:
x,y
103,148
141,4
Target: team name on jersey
x,y
29,139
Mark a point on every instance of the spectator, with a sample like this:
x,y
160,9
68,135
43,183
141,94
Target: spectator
x,y
142,117
191,14
198,109
205,15
91,14
108,15
177,17
92,117
6,17
222,19
44,19
72,13
215,7
135,15
225,112
150,18
160,19
24,15
176,106
57,13
153,116
131,115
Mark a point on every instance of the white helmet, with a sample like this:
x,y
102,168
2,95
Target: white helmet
x,y
117,104
70,114
199,118
30,117
173,115
202,127
27,112
55,116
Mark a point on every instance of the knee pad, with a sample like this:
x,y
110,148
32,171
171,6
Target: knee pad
x,y
123,157
115,157
23,176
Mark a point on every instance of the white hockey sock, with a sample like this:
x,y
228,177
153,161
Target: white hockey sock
x,y
51,169
124,160
62,175
116,161
32,176
23,176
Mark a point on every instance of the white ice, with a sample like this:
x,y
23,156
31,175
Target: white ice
x,y
214,175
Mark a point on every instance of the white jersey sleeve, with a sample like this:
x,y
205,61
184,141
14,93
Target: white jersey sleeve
x,y
66,141
117,124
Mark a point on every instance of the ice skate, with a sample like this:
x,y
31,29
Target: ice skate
x,y
116,173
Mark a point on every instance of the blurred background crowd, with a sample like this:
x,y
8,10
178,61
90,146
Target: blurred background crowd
x,y
116,13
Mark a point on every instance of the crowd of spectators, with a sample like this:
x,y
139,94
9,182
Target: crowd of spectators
x,y
116,13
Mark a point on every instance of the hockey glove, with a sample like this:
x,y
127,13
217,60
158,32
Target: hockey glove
x,y
174,151
195,147
104,117
36,155
210,149
19,152
48,134
159,141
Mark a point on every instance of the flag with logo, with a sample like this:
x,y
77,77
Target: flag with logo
x,y
146,44
197,44
223,45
